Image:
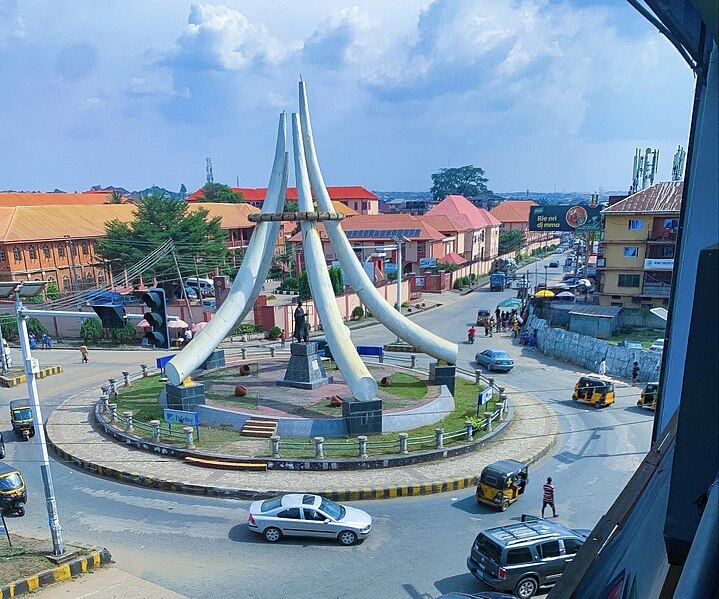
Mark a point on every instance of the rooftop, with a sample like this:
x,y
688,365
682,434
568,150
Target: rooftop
x,y
374,223
9,199
513,211
350,192
599,311
463,212
661,198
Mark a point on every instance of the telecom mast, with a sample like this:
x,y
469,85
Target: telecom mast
x,y
678,166
210,177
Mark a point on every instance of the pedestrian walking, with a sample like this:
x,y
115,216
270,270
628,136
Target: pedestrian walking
x,y
282,338
515,327
85,353
635,373
497,313
491,326
43,341
486,328
548,497
49,342
32,340
188,336
603,367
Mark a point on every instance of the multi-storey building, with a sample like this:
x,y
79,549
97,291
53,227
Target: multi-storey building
x,y
636,252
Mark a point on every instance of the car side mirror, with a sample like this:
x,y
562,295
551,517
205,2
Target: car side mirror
x,y
328,520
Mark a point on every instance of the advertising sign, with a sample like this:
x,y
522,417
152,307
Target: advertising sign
x,y
390,267
419,281
181,417
659,263
565,218
427,262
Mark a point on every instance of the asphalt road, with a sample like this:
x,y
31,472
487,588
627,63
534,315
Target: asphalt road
x,y
418,546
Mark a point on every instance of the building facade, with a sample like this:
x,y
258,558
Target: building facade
x,y
636,252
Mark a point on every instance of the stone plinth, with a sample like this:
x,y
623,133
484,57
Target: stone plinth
x,y
362,417
180,397
215,360
442,375
305,369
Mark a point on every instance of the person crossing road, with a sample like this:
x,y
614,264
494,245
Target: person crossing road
x,y
548,497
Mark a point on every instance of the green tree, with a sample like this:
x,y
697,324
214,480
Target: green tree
x,y
36,327
468,181
158,219
304,285
51,291
91,331
337,280
219,193
115,197
510,241
125,335
9,326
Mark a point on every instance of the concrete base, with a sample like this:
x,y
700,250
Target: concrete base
x,y
179,397
442,375
362,417
215,360
305,369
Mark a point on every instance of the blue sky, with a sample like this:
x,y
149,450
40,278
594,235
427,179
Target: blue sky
x,y
543,95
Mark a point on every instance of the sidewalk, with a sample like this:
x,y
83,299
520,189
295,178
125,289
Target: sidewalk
x,y
529,436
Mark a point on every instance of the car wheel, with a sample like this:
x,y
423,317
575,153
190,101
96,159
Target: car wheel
x,y
347,537
272,534
505,504
526,588
21,511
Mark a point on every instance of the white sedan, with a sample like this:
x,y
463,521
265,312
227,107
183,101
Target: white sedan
x,y
305,515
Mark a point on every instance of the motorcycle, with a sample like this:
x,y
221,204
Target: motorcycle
x,y
470,337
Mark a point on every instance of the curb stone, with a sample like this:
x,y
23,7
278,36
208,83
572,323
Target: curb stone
x,y
75,567
19,380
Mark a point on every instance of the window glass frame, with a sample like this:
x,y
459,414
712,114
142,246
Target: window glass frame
x,y
635,221
517,551
631,251
290,510
541,546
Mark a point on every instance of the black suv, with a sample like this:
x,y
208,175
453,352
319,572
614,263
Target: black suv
x,y
521,558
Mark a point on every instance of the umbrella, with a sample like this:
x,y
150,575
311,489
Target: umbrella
x,y
566,295
511,302
198,327
143,324
177,324
585,282
544,293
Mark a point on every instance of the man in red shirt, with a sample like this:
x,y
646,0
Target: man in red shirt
x,y
548,497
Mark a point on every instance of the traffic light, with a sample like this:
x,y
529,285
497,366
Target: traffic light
x,y
156,317
111,315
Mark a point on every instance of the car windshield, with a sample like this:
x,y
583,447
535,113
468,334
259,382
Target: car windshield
x,y
10,482
271,504
332,509
22,414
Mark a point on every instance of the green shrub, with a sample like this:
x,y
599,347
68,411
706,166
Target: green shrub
x,y
125,335
91,331
358,312
36,327
457,284
304,286
51,291
274,333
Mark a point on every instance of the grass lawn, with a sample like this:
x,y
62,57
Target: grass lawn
x,y
644,336
25,558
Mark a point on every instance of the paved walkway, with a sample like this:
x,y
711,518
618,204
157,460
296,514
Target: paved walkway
x,y
527,438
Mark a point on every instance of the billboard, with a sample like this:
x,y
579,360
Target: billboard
x,y
428,262
565,218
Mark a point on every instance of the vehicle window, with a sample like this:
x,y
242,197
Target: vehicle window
x,y
550,549
571,546
314,515
486,352
519,556
22,414
292,513
308,500
489,480
271,504
489,548
10,482
332,509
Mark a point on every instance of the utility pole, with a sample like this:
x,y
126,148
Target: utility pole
x,y
3,357
31,369
74,271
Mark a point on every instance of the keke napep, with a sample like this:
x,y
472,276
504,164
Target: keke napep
x,y
13,494
21,418
502,483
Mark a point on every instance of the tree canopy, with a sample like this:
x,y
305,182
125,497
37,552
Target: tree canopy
x,y
468,181
510,240
219,193
158,219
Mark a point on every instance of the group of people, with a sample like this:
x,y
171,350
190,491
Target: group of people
x,y
602,370
45,341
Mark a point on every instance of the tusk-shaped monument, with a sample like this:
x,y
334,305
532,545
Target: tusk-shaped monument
x,y
401,326
250,278
355,373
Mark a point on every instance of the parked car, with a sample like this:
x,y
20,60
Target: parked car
x,y
206,287
308,516
657,347
626,344
208,304
495,359
524,557
191,293
560,250
554,264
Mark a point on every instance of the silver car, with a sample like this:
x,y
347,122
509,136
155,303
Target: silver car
x,y
308,516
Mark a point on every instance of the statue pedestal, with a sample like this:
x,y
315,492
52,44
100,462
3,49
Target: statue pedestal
x,y
362,417
305,369
442,375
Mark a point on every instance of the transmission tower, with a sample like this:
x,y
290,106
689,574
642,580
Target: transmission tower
x,y
678,166
210,177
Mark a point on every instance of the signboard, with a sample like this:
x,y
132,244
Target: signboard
x,y
565,218
181,417
390,267
162,361
427,262
419,281
483,397
659,263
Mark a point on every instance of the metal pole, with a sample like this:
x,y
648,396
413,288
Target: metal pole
x,y
3,357
74,271
31,368
399,275
184,291
545,276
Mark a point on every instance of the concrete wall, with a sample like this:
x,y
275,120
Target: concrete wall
x,y
588,352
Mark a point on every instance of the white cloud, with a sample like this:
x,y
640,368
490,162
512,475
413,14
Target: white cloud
x,y
337,41
12,25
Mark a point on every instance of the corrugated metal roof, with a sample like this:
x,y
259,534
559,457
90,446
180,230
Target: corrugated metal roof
x,y
600,311
662,198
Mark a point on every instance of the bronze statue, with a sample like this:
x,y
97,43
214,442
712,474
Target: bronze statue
x,y
301,329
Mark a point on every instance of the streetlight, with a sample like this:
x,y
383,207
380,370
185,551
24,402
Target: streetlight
x,y
545,276
21,289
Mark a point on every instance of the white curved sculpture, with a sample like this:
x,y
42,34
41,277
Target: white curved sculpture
x,y
250,278
405,329
344,353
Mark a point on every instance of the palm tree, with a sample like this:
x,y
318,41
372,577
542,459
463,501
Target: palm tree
x,y
115,197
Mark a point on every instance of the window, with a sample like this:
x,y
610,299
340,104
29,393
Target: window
x,y
617,304
668,252
636,225
85,248
631,252
46,251
547,550
66,283
519,556
3,255
90,279
100,279
32,252
292,513
271,504
671,224
571,546
628,281
314,515
61,250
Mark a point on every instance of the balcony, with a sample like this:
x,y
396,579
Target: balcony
x,y
663,236
656,289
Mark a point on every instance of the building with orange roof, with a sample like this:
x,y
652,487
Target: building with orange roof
x,y
514,216
41,242
354,197
10,199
